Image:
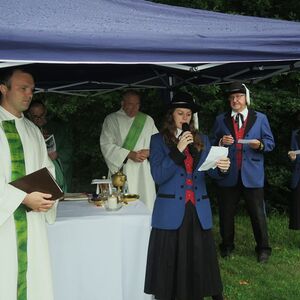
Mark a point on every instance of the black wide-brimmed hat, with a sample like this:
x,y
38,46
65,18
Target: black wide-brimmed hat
x,y
235,87
184,100
238,87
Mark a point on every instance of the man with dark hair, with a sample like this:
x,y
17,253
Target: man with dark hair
x,y
24,259
59,143
125,141
248,136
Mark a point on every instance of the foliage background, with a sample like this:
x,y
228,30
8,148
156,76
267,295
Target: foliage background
x,y
277,97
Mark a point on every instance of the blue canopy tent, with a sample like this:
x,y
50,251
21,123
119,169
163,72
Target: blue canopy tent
x,y
91,45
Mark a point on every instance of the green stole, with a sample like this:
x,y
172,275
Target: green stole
x,y
17,171
134,131
59,175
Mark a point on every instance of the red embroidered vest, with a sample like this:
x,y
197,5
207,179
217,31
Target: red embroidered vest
x,y
239,134
188,162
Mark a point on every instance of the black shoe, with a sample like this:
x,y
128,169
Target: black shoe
x,y
263,257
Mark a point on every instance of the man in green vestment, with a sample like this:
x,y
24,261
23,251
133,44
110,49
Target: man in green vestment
x,y
125,141
25,272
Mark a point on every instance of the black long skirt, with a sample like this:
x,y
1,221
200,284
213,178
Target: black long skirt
x,y
182,264
295,209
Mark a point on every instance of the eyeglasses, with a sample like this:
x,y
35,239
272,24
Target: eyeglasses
x,y
237,97
38,117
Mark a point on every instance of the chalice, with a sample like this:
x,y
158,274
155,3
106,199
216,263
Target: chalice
x,y
118,180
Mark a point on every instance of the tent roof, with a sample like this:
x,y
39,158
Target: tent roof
x,y
133,37
132,31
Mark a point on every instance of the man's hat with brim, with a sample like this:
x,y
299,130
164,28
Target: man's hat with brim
x,y
238,87
183,100
235,87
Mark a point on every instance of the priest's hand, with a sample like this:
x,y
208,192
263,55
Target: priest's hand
x,y
137,156
144,153
38,201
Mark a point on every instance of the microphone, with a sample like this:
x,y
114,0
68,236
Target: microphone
x,y
186,127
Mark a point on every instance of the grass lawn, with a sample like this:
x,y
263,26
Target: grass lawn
x,y
245,279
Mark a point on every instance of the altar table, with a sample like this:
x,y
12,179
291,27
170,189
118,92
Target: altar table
x,y
99,255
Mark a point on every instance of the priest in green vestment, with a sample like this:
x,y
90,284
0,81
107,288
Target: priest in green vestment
x,y
25,272
125,140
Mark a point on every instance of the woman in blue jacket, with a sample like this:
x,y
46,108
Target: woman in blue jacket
x,y
182,262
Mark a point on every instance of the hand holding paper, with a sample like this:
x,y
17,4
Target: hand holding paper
x,y
214,155
292,154
223,164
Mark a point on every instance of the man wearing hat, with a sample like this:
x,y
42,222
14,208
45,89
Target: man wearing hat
x,y
248,136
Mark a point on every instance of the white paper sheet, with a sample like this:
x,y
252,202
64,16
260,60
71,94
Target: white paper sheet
x,y
297,152
50,143
215,154
244,141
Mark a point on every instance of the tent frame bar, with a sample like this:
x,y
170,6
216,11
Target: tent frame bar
x,y
190,68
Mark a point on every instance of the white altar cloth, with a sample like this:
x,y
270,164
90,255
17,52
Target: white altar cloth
x,y
99,255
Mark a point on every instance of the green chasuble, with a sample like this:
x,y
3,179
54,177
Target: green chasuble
x,y
135,131
17,171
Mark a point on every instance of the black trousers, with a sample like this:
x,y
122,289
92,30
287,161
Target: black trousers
x,y
228,198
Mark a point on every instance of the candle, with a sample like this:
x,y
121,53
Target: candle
x,y
112,202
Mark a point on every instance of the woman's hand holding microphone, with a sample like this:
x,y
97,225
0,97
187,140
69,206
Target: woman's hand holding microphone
x,y
184,140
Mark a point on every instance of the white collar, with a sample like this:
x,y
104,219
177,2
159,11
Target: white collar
x,y
244,112
8,115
